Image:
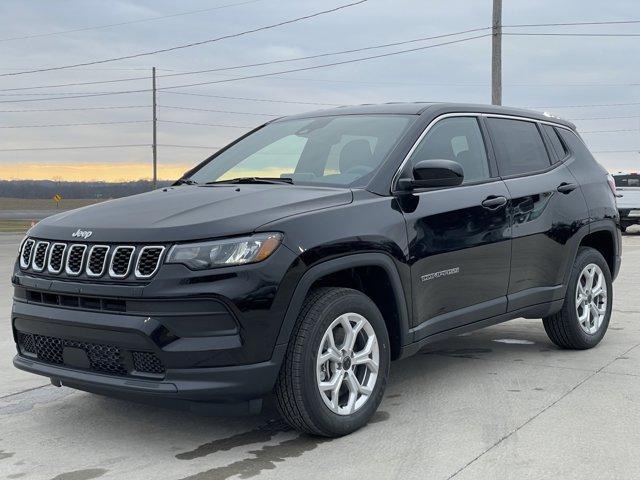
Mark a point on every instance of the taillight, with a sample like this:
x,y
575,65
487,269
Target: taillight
x,y
612,185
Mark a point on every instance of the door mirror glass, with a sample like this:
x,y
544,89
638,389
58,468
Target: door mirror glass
x,y
433,174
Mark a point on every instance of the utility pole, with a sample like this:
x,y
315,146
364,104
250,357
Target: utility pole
x,y
496,54
155,131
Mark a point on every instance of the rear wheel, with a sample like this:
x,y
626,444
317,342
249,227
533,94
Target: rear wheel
x,y
586,311
336,366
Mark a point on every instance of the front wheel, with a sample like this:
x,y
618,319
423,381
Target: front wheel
x,y
336,366
586,311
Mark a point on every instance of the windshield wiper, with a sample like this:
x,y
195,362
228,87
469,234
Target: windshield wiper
x,y
268,180
185,181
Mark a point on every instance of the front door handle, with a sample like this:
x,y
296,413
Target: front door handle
x,y
493,202
565,187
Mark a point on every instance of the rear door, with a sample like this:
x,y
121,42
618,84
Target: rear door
x,y
546,209
459,244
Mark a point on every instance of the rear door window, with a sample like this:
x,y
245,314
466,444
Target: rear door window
x,y
518,145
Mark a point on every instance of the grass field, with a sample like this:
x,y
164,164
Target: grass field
x,y
13,226
44,204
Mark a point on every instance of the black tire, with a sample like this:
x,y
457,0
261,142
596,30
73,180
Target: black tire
x,y
297,394
563,328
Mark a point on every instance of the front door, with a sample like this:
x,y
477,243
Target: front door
x,y
459,237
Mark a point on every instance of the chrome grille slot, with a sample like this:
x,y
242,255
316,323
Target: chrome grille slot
x,y
75,259
97,260
121,261
148,261
39,256
25,255
56,257
88,260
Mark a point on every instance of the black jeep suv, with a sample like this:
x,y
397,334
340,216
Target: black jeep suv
x,y
305,256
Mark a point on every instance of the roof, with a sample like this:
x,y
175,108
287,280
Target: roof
x,y
419,108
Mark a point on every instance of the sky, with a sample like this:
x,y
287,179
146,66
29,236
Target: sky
x,y
565,76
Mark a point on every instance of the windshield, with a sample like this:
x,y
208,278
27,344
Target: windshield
x,y
332,151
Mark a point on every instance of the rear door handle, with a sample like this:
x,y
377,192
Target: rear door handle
x,y
493,202
565,187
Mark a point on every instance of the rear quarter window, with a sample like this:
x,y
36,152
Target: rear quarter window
x,y
519,146
556,143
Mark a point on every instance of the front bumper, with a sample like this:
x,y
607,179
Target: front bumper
x,y
94,351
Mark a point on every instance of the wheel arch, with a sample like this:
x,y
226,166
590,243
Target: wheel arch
x,y
349,272
603,236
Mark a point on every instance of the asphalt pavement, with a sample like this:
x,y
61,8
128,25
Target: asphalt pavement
x,y
498,403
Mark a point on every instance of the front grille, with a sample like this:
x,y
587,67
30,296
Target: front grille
x,y
40,256
56,257
121,262
91,261
97,260
25,255
107,359
148,261
75,259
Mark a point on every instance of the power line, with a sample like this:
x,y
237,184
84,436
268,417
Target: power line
x,y
70,97
604,118
188,146
83,147
117,107
556,34
259,64
262,75
333,64
613,131
74,124
250,99
637,150
566,24
589,105
207,124
220,111
188,45
130,22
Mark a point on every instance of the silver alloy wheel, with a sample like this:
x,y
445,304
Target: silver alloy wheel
x,y
591,298
347,364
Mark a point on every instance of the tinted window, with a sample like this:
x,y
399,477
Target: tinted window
x,y
519,146
458,139
335,150
556,143
627,180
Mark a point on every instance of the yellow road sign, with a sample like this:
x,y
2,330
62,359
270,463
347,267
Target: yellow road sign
x,y
57,197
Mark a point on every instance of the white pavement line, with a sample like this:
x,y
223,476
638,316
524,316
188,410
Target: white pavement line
x,y
515,430
24,391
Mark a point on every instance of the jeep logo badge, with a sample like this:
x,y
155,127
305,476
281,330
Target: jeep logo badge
x,y
82,234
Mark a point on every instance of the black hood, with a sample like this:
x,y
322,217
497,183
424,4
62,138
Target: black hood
x,y
189,213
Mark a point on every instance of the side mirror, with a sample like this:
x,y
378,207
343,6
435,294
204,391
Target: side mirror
x,y
433,174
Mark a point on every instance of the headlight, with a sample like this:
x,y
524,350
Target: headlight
x,y
223,253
